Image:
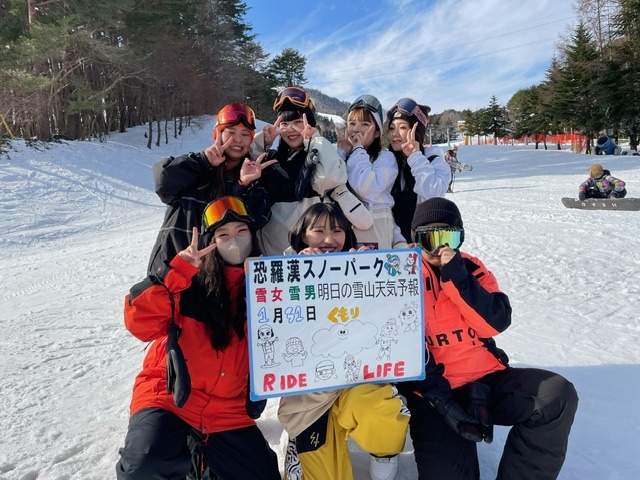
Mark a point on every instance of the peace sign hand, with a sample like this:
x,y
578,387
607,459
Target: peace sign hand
x,y
215,153
270,132
251,170
343,143
307,131
358,139
411,145
191,254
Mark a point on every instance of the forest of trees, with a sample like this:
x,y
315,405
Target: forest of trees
x,y
81,69
592,86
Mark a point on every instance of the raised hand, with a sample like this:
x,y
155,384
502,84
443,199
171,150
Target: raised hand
x,y
411,145
446,255
191,254
270,132
307,131
343,143
252,170
358,139
215,153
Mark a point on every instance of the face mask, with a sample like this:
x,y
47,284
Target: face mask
x,y
235,250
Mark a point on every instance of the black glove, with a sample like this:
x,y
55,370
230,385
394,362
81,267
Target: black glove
x,y
479,400
581,196
460,421
178,379
614,194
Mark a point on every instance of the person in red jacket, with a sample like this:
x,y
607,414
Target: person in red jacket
x,y
193,385
465,309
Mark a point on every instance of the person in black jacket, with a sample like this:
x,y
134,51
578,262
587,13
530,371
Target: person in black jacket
x,y
422,171
469,385
186,184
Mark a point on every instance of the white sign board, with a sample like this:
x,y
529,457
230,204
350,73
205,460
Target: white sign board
x,y
325,322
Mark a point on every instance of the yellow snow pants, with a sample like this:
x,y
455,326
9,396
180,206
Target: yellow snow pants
x,y
373,415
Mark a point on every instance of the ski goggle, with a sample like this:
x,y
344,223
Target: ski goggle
x,y
223,208
236,113
369,102
295,96
408,106
431,239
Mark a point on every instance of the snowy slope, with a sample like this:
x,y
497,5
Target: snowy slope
x,y
78,220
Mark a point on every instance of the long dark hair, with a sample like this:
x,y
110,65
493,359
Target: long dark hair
x,y
214,300
315,213
218,176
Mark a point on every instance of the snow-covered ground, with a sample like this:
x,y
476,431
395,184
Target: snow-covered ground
x,y
78,220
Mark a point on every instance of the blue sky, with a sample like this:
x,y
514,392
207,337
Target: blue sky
x,y
446,54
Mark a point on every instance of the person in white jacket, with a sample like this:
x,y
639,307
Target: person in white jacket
x,y
371,171
308,170
423,173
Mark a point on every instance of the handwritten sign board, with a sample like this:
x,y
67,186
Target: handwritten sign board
x,y
325,322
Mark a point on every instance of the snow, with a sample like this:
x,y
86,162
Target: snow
x,y
78,220
336,119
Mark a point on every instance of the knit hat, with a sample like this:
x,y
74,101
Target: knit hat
x,y
596,170
436,210
404,109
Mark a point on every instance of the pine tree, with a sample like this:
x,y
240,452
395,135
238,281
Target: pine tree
x,y
575,94
287,69
495,120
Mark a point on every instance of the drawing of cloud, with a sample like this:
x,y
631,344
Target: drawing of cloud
x,y
344,338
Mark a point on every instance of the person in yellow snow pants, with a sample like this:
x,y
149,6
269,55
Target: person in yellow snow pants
x,y
374,416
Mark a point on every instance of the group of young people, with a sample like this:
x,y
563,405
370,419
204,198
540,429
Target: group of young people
x,y
287,190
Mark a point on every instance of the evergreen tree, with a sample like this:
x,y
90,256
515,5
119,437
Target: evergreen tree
x,y
623,74
288,68
495,120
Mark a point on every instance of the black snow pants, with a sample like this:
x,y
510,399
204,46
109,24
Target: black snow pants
x,y
540,405
156,447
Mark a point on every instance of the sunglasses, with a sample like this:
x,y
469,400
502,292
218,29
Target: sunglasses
x,y
294,95
237,113
369,102
219,209
431,239
408,106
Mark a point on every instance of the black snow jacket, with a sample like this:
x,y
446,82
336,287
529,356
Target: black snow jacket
x,y
186,184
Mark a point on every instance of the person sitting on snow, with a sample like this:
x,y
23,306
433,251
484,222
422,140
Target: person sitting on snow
x,y
601,184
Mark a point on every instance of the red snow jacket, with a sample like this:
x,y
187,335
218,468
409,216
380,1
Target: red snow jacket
x,y
464,308
218,379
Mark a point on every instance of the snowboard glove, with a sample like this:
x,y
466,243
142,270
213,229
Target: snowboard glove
x,y
178,378
582,196
457,419
479,400
306,173
614,194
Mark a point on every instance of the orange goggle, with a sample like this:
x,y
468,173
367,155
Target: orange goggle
x,y
295,95
236,113
223,208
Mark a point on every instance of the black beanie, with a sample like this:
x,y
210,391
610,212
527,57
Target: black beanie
x,y
296,112
436,210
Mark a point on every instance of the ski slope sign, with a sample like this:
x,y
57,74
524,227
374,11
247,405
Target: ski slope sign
x,y
332,321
